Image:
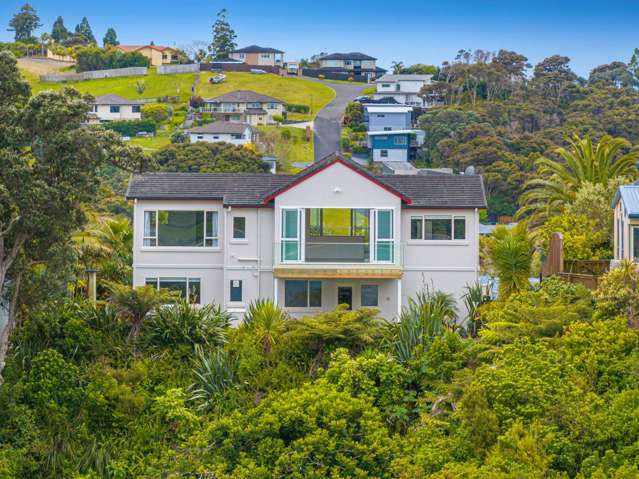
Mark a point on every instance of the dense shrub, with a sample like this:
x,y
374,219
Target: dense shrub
x,y
295,108
94,58
156,112
131,128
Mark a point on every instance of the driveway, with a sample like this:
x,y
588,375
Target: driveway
x,y
327,122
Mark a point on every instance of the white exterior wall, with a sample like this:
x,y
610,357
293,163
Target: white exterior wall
x,y
623,229
393,155
409,99
219,137
444,265
125,113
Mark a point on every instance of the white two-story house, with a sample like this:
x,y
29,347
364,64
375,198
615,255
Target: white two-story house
x,y
403,88
115,108
331,234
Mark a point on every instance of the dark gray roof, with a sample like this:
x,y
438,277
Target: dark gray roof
x,y
257,49
347,56
221,127
243,96
252,189
235,189
111,99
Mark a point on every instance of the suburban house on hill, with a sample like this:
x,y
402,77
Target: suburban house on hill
x,y
332,234
391,137
403,88
259,56
226,131
353,64
244,106
158,55
626,222
113,107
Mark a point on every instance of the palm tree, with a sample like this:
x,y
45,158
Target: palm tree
x,y
509,253
558,182
265,320
134,304
397,67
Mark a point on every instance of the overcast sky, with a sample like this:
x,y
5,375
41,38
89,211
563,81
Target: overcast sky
x,y
412,31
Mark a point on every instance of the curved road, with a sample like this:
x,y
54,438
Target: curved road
x,y
327,127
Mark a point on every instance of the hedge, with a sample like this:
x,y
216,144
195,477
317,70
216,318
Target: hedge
x,y
131,128
295,108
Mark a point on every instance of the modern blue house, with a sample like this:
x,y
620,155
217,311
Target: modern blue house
x,y
388,117
390,134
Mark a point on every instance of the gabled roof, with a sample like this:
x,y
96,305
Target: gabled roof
x,y
257,49
630,196
243,96
135,48
325,163
404,77
259,189
222,127
347,56
111,99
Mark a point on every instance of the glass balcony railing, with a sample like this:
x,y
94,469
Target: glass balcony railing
x,y
296,252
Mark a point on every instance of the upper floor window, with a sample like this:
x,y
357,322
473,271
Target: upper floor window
x,y
255,105
400,140
386,85
438,227
348,62
242,55
181,228
114,109
272,106
239,227
388,128
266,55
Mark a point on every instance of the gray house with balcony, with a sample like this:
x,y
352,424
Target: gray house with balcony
x,y
332,234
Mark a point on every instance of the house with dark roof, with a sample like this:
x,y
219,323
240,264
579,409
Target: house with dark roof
x,y
224,131
114,108
334,233
259,56
244,106
404,88
354,64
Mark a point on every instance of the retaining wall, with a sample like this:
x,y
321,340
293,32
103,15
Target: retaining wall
x,y
93,75
173,69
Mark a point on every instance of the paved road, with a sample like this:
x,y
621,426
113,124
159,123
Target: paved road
x,y
327,122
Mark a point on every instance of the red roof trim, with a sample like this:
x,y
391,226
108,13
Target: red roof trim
x,y
330,163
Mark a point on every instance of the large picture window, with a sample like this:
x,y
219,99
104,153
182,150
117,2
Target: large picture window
x,y
438,227
302,294
181,228
189,288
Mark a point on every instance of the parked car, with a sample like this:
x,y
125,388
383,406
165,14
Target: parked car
x,y
219,78
258,71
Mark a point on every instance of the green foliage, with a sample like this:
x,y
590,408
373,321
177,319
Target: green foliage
x,y
93,58
24,23
215,373
156,112
110,38
131,128
208,158
223,37
618,292
509,254
582,240
59,32
311,432
296,108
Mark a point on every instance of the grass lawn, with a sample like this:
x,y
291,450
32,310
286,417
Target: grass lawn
x,y
156,85
344,82
369,90
294,149
153,143
288,89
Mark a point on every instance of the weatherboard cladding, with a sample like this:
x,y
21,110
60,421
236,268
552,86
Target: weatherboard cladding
x,y
256,189
630,196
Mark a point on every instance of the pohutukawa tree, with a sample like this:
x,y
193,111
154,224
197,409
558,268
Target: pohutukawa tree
x,y
50,163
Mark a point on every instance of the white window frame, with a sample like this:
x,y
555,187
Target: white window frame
x,y
452,239
187,279
215,239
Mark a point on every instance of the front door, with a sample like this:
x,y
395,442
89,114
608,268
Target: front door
x,y
345,296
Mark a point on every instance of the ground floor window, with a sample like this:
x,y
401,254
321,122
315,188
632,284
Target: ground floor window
x,y
302,294
189,288
236,291
370,295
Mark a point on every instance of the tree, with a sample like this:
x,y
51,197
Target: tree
x,y
83,30
223,37
110,38
633,67
59,32
509,253
557,182
421,69
397,67
49,168
209,158
554,79
24,23
615,74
